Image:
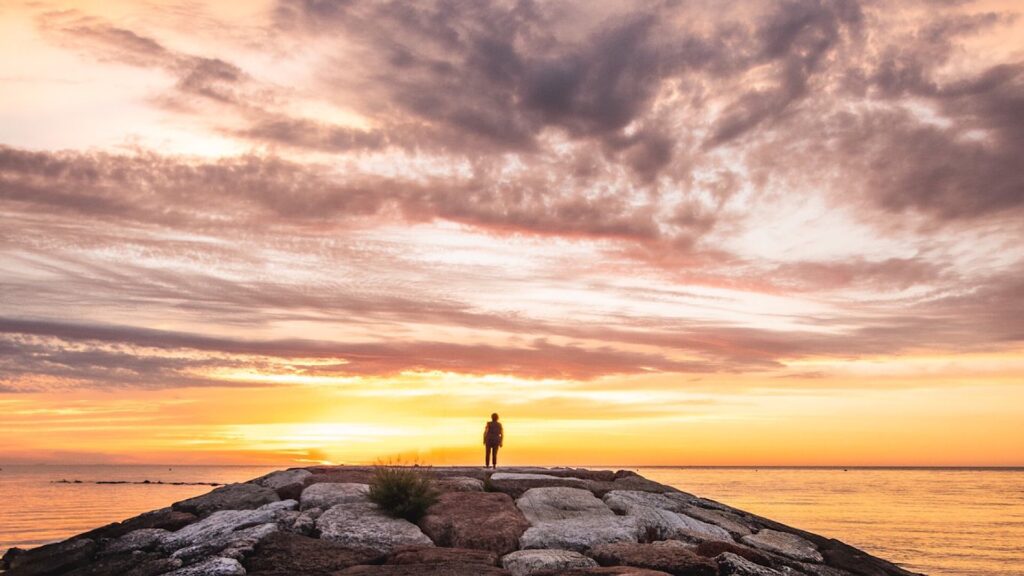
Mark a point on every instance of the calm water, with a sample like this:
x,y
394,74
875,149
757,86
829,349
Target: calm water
x,y
940,522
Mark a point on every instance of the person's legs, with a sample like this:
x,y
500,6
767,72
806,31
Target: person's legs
x,y
487,457
494,457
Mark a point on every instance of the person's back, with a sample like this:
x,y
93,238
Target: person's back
x,y
494,438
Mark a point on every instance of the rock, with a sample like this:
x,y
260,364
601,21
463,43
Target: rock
x,y
435,555
230,497
459,484
673,559
142,539
166,518
127,564
212,567
282,554
479,520
329,494
606,571
529,562
730,522
730,564
784,543
713,548
287,483
424,570
362,525
659,524
280,506
515,484
5,560
560,503
231,545
621,501
52,558
213,526
846,557
579,534
340,475
633,482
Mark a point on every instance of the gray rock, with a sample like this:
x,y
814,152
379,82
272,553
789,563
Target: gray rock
x,y
730,564
459,484
329,494
515,484
727,520
579,534
230,497
622,500
560,503
785,544
280,506
528,562
136,540
287,483
213,526
52,558
231,545
211,567
661,524
362,525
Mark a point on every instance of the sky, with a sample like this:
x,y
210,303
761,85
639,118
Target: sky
x,y
668,233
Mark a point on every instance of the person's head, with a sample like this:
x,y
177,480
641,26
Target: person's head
x,y
494,417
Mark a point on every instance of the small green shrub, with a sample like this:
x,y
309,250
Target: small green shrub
x,y
402,492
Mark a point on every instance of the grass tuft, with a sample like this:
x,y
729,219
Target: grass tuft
x,y
402,492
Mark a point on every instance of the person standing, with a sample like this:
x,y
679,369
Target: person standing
x,y
494,438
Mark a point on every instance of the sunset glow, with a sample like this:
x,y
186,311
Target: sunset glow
x,y
773,233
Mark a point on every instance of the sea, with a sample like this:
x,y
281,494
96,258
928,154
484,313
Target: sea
x,y
938,521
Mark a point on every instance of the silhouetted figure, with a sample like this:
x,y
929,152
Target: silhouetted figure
x,y
494,438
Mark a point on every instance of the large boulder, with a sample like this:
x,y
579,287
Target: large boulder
x,y
363,525
283,554
329,494
459,484
287,483
212,567
52,558
165,518
560,503
673,559
214,526
730,564
449,569
727,520
435,555
580,534
340,474
231,497
784,543
622,501
605,571
712,548
530,562
515,484
479,520
143,539
231,545
659,524
127,564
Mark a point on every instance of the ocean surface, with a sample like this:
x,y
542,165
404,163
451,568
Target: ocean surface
x,y
943,522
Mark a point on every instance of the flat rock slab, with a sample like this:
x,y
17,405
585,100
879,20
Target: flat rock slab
x,y
231,545
287,483
340,475
435,555
675,560
284,554
127,564
52,558
606,571
730,564
143,539
621,501
560,503
166,518
362,525
530,562
713,548
659,524
784,543
515,484
480,520
580,534
329,494
231,497
213,526
212,567
424,570
730,522
459,484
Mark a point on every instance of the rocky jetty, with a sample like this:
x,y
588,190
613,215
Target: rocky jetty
x,y
319,521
